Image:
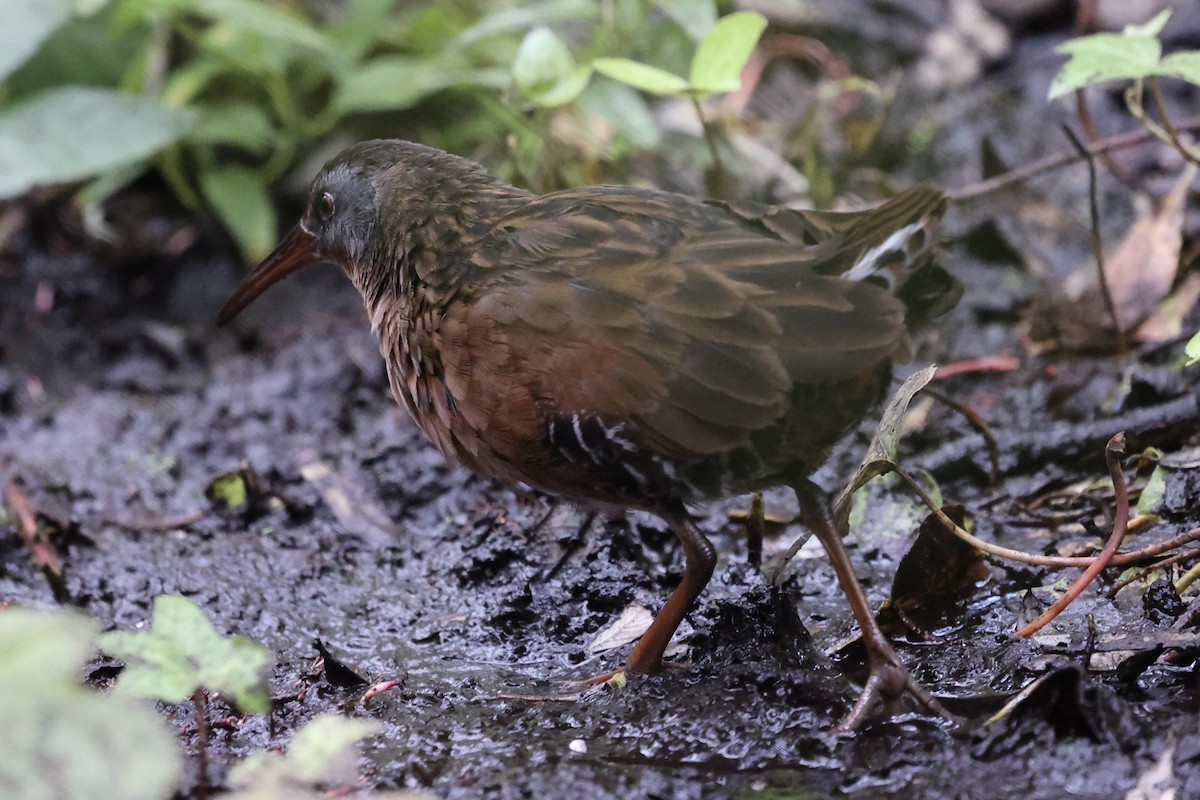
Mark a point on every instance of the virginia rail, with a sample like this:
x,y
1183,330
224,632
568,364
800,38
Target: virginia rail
x,y
627,347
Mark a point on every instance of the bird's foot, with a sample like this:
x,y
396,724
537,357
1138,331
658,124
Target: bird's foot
x,y
888,681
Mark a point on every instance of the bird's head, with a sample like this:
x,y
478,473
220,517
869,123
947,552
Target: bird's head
x,y
362,210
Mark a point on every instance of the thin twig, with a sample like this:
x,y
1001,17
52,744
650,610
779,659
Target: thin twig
x,y
1085,12
1112,454
1120,560
711,139
1172,134
755,528
981,427
1049,163
200,704
39,544
1097,244
1155,567
1187,579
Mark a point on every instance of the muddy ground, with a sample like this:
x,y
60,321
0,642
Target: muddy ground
x,y
120,402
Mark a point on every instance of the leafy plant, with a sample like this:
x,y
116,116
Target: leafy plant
x,y
182,653
224,97
61,740
1135,55
321,755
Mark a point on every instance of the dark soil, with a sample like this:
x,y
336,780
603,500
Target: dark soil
x,y
120,402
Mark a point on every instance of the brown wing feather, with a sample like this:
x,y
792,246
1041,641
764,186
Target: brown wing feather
x,y
697,320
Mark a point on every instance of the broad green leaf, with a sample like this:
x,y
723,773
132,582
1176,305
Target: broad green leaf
x,y
239,123
243,204
1184,65
263,19
183,653
717,65
359,27
641,76
697,17
394,83
625,109
62,741
49,645
544,71
27,23
1105,57
519,18
1192,350
73,133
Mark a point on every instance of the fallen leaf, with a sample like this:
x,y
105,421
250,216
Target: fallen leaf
x,y
633,622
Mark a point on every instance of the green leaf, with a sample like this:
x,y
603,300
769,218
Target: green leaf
x,y
1152,493
243,204
544,71
717,65
1185,65
183,653
1192,350
1149,29
242,124
229,488
641,76
27,23
322,752
519,18
263,19
697,17
50,645
394,83
625,109
61,741
358,29
1105,57
321,755
73,133
881,455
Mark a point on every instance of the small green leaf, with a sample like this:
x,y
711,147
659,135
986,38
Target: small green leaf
x,y
1105,57
183,652
72,133
507,20
322,753
625,109
544,71
1184,65
1192,350
229,489
62,741
717,65
697,17
1149,29
243,204
641,76
1152,493
27,23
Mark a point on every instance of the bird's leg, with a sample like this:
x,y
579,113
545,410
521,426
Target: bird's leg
x,y
700,559
888,678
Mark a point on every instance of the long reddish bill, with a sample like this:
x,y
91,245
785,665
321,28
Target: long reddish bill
x,y
296,250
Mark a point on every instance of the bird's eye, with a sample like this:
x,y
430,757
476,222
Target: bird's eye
x,y
325,207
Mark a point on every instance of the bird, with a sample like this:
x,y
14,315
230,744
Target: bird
x,y
629,348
